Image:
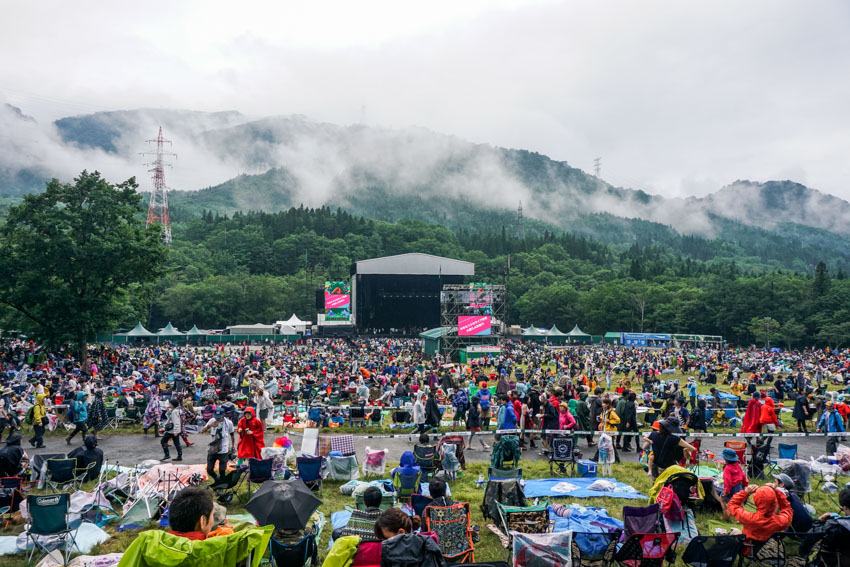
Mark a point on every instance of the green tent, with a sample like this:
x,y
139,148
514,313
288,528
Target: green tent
x,y
433,339
577,336
533,333
555,335
169,331
194,332
139,332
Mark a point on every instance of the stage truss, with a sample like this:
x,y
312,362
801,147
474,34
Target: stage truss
x,y
458,300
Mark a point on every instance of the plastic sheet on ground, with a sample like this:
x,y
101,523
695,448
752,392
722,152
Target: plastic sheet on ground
x,y
163,476
86,537
540,488
108,560
704,471
577,518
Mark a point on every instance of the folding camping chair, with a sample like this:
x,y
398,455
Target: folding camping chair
x,y
787,451
343,468
503,474
111,415
550,549
357,415
426,457
375,463
647,550
310,471
419,502
228,485
62,473
305,552
713,551
259,471
593,549
452,524
406,484
740,448
640,520
49,517
387,501
562,455
784,549
693,462
333,399
131,414
11,496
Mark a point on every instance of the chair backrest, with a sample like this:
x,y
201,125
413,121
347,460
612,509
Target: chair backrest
x,y
11,482
593,549
357,412
309,468
260,470
562,449
293,555
640,520
525,519
419,502
425,456
713,551
451,524
787,451
740,448
406,484
376,458
646,550
502,474
48,513
314,414
61,470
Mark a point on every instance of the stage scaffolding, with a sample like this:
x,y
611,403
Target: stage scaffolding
x,y
458,300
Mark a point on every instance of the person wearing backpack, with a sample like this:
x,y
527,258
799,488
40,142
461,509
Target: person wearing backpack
x,y
484,404
38,419
79,417
460,401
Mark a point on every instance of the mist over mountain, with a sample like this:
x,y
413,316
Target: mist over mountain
x,y
228,162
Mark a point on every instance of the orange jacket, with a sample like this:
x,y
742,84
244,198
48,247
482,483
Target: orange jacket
x,y
768,413
765,521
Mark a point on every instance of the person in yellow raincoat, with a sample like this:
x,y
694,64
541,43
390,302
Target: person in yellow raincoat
x,y
39,422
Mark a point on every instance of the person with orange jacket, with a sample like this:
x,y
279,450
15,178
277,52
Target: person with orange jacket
x,y
766,520
768,417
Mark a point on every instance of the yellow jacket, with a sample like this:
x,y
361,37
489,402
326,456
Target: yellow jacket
x,y
38,411
610,420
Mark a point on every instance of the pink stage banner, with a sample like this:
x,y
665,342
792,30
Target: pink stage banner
x,y
336,301
468,325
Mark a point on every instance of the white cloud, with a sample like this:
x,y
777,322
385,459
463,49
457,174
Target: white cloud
x,y
676,97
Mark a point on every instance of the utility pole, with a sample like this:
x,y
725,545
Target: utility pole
x,y
520,226
597,166
158,208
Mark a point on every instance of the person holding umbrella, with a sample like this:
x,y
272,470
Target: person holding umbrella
x,y
288,505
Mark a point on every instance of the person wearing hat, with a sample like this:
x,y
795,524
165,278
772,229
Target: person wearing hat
x,y
80,417
734,477
222,440
7,414
11,456
669,447
802,520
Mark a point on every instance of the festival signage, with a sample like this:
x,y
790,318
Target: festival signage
x,y
473,325
337,301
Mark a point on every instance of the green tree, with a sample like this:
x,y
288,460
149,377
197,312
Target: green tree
x,y
792,331
71,256
765,329
821,283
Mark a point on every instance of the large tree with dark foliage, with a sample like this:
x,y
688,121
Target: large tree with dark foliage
x,y
71,257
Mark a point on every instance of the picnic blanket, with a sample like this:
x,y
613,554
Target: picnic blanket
x,y
584,519
577,488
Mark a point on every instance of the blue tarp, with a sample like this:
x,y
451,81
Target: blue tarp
x,y
584,519
543,488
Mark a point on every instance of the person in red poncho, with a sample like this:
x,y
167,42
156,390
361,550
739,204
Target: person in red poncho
x,y
752,417
250,430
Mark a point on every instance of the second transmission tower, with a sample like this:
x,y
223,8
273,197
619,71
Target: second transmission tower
x,y
158,208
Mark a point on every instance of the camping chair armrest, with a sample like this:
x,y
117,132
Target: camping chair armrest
x,y
5,510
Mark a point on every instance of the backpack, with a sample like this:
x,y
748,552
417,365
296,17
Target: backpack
x,y
30,413
461,400
69,415
670,505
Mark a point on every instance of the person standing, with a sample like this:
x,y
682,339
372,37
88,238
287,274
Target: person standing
x,y
173,425
264,404
153,413
801,412
629,417
473,422
97,413
830,423
221,442
583,417
39,422
80,417
251,441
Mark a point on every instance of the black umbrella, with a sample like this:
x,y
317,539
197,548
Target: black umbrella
x,y
285,504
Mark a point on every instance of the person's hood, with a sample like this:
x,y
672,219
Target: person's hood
x,y
407,548
39,399
765,500
250,410
407,460
582,396
769,402
14,439
81,396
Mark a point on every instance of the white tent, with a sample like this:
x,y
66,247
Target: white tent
x,y
287,330
297,324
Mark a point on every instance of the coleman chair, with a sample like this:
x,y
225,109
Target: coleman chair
x,y
425,457
713,551
63,473
310,471
562,455
305,552
49,517
593,549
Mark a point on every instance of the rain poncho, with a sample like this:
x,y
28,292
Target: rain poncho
x,y
154,411
765,521
251,440
156,548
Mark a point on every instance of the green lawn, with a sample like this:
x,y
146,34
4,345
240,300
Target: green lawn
x,y
463,489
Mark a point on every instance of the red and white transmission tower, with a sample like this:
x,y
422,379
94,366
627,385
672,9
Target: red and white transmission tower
x,y
158,209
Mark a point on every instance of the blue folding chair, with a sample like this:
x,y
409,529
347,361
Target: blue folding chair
x,y
259,471
304,552
787,451
310,471
425,456
419,502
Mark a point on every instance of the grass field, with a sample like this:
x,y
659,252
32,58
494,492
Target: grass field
x,y
464,490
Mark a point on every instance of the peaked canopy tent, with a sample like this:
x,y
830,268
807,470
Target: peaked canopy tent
x,y
138,333
299,325
533,333
288,332
195,332
169,331
577,336
555,335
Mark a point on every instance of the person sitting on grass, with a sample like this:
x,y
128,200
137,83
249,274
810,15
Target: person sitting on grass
x,y
758,526
191,513
362,522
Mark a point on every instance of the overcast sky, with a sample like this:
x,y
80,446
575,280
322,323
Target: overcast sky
x,y
677,98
